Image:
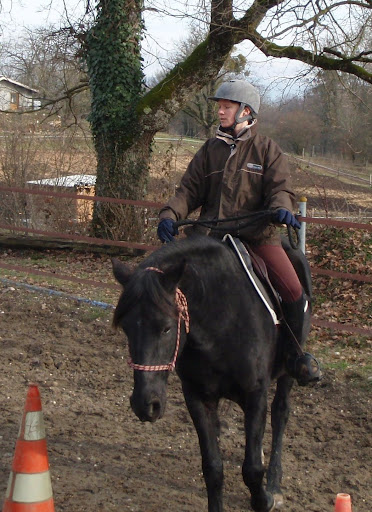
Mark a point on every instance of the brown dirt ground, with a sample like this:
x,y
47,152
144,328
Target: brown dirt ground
x,y
103,459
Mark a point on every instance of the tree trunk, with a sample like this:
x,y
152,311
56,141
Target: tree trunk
x,y
113,56
123,119
122,172
16,242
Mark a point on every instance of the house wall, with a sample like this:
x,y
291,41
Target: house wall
x,y
14,98
84,209
4,97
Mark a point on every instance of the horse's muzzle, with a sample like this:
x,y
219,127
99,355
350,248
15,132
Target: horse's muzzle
x,y
149,410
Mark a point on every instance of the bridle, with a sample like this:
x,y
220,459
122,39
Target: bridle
x,y
183,314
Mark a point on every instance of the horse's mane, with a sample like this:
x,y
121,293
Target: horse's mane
x,y
198,249
202,254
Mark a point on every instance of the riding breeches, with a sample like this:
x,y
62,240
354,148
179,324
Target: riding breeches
x,y
281,272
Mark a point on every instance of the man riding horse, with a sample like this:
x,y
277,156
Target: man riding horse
x,y
237,172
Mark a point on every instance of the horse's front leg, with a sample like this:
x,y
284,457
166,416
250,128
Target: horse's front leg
x,y
279,418
253,470
206,422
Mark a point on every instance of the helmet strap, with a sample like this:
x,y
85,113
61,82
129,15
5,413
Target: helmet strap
x,y
239,119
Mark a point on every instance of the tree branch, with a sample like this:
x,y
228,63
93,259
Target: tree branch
x,y
360,57
186,78
68,94
307,57
204,63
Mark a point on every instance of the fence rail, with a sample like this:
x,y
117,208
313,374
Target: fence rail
x,y
149,248
154,204
67,195
335,172
80,238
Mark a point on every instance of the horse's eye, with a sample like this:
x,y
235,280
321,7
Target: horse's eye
x,y
166,330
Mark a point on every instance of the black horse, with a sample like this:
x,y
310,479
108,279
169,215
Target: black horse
x,y
191,306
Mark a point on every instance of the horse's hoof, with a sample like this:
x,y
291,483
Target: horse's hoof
x,y
272,508
278,502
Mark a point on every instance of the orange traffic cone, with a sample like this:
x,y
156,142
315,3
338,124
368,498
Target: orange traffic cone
x,y
29,487
343,503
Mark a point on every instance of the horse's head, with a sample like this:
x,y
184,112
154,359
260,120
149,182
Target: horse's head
x,y
149,311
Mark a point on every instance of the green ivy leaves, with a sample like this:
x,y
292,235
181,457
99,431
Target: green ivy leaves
x,y
115,67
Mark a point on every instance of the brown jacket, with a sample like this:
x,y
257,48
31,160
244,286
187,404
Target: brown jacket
x,y
231,177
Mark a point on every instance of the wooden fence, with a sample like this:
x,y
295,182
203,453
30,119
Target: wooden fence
x,y
143,247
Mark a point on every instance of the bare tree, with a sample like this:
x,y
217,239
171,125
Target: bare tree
x,y
48,60
311,32
325,34
348,104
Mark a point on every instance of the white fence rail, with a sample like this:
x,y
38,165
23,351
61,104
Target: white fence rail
x,y
336,172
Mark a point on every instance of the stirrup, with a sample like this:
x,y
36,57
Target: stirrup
x,y
306,369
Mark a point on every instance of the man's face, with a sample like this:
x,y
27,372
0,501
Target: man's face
x,y
226,112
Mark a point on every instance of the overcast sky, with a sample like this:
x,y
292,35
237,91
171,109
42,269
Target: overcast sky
x,y
162,35
162,32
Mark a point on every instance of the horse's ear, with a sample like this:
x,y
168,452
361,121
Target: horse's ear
x,y
171,275
121,272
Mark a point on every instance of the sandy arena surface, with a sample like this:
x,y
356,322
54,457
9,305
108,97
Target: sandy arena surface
x,y
102,458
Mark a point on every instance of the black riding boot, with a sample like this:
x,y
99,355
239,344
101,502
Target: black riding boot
x,y
302,367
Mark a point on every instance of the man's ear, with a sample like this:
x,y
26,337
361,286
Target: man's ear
x,y
121,272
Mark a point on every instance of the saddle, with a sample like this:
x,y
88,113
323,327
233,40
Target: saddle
x,y
255,268
257,273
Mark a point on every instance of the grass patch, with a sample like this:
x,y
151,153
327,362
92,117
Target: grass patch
x,y
68,287
93,314
349,357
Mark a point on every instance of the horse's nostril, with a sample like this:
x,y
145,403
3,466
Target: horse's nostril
x,y
155,409
156,405
147,410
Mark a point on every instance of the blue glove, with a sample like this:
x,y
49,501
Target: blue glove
x,y
166,230
283,216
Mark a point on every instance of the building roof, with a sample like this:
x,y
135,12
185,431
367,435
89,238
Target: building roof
x,y
75,180
18,84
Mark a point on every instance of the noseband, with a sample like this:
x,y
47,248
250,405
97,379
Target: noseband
x,y
183,314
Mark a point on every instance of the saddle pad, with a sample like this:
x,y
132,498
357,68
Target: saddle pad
x,y
246,261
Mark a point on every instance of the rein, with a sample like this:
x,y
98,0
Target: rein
x,y
253,216
264,216
183,314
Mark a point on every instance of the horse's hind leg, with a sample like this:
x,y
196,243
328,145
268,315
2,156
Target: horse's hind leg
x,y
253,469
279,418
205,419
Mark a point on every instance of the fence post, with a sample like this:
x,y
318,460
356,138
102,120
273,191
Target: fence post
x,y
302,232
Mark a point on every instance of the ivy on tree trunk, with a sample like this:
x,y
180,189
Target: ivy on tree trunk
x,y
116,83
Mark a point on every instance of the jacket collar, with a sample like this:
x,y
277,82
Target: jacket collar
x,y
242,135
